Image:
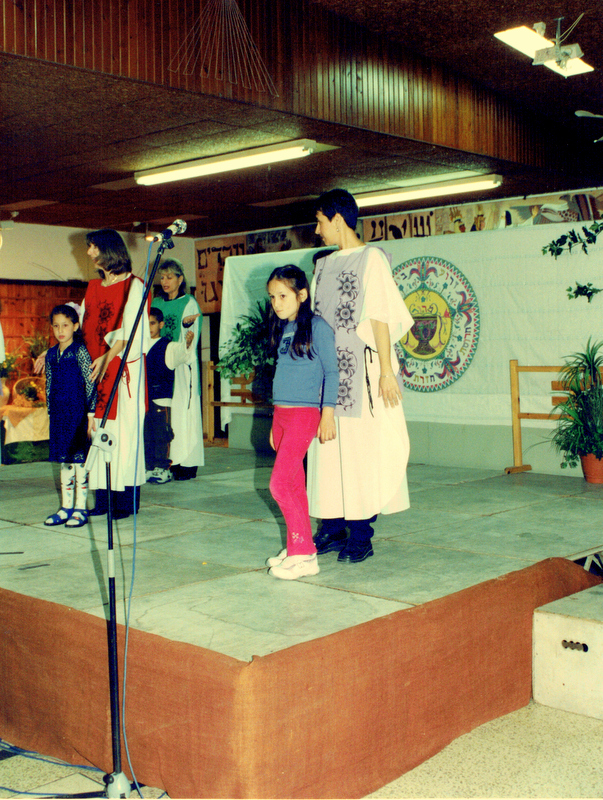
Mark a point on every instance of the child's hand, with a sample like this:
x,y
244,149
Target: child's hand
x,y
271,439
190,335
188,321
40,363
91,427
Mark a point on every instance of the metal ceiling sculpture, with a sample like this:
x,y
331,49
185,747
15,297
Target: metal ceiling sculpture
x,y
220,45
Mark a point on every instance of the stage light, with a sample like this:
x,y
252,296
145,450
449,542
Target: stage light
x,y
562,58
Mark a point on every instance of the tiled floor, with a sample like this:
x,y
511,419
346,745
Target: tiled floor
x,y
199,550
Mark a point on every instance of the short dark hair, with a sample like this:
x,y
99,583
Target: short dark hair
x,y
157,313
339,201
114,256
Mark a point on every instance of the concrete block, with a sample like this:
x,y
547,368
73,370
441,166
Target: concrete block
x,y
567,669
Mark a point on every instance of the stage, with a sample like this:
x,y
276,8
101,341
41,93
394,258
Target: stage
x,y
243,686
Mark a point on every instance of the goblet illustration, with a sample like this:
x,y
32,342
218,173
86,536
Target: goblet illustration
x,y
424,330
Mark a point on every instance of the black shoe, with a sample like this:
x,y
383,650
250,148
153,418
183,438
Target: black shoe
x,y
354,552
97,512
181,473
326,541
332,535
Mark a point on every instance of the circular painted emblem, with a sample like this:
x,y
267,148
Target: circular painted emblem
x,y
440,345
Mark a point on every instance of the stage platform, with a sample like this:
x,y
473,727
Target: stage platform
x,y
240,685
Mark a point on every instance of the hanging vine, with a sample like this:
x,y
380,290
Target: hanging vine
x,y
570,240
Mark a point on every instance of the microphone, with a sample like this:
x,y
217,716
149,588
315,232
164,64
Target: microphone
x,y
178,226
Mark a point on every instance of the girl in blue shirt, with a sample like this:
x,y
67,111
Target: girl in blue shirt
x,y
304,396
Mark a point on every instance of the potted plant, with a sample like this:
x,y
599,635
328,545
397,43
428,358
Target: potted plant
x,y
246,352
579,431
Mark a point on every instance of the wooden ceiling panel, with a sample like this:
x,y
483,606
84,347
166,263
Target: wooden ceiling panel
x,y
66,130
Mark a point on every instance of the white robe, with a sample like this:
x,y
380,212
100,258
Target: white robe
x,y
186,448
363,471
127,461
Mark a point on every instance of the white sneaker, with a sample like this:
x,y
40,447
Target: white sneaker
x,y
294,567
160,476
276,561
148,474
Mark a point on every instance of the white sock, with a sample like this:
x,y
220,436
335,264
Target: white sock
x,y
67,486
81,486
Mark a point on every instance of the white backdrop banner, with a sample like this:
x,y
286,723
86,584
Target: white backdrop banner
x,y
524,313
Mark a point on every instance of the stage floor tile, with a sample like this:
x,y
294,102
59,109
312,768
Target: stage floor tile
x,y
540,531
413,574
253,614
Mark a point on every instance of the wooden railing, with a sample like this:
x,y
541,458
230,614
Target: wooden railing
x,y
242,394
517,414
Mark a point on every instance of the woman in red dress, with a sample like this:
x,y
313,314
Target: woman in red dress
x,y
109,310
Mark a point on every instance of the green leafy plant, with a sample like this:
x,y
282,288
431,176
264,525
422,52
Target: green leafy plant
x,y
572,239
568,241
247,351
582,290
31,391
38,343
579,431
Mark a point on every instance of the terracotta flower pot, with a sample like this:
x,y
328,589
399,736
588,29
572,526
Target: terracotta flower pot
x,y
592,468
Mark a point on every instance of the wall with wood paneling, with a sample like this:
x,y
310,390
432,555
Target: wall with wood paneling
x,y
24,310
322,66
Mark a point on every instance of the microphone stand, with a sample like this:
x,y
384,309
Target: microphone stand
x,y
117,782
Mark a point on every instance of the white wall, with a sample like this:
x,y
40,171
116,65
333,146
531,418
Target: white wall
x,y
54,253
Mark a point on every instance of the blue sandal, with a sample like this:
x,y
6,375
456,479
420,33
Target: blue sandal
x,y
78,518
57,519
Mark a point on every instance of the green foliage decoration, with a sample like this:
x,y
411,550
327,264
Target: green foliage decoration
x,y
37,344
585,238
8,367
247,351
582,290
579,431
573,239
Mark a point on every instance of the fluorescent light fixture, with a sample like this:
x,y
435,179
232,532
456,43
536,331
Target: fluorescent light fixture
x,y
438,189
242,159
528,42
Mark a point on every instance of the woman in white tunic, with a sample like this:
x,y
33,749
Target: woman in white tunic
x,y
362,472
181,313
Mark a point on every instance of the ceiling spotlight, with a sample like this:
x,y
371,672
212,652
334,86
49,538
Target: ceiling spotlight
x,y
561,58
242,159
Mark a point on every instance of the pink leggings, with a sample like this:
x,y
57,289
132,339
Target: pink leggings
x,y
292,431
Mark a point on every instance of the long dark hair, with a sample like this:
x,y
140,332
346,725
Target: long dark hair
x,y
70,313
295,279
113,256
